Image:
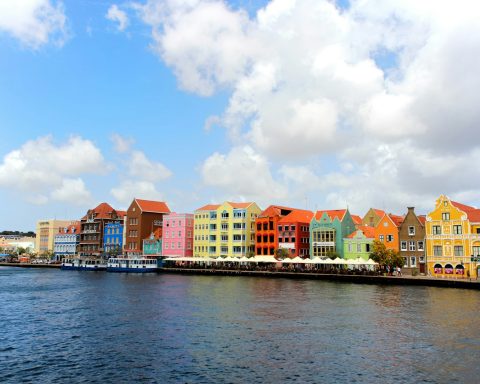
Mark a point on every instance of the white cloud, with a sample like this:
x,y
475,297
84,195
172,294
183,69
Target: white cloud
x,y
129,189
34,22
115,14
306,81
242,174
121,144
40,166
141,167
73,191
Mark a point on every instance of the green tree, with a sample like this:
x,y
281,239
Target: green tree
x,y
385,257
281,253
250,254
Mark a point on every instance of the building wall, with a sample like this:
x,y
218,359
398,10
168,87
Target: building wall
x,y
411,235
371,218
266,240
226,231
387,233
46,231
358,246
447,240
113,237
296,240
178,235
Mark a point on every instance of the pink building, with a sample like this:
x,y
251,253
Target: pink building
x,y
177,235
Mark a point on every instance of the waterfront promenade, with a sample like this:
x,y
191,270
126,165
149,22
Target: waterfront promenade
x,y
348,278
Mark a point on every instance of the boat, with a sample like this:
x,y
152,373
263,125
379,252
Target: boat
x,y
83,264
136,264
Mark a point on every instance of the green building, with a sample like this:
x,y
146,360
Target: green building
x,y
359,243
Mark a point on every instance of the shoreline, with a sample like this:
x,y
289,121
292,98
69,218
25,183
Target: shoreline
x,y
356,279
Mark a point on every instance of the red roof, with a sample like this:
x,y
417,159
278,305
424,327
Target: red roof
x,y
473,213
103,211
356,219
379,212
297,216
369,232
333,213
153,206
209,207
422,219
397,220
76,225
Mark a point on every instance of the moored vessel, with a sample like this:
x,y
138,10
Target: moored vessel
x,y
83,264
136,264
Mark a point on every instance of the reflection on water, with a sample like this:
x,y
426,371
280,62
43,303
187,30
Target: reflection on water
x,y
97,327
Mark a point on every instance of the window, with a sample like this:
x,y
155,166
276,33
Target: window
x,y
292,228
436,230
413,261
381,238
287,227
457,229
458,250
280,228
411,231
446,216
224,227
403,245
224,215
389,238
405,261
420,246
421,259
437,250
411,245
367,247
359,247
224,237
476,251
349,247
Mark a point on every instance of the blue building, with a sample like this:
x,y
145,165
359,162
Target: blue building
x,y
113,238
66,241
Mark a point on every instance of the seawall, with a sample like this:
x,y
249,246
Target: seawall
x,y
29,265
357,279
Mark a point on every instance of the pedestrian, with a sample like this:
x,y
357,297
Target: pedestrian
x,y
399,271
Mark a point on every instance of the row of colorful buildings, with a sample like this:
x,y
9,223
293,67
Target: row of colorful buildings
x,y
444,242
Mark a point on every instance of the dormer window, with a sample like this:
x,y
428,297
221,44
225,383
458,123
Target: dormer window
x,y
411,231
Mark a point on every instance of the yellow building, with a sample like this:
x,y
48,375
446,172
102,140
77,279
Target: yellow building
x,y
452,232
46,231
225,230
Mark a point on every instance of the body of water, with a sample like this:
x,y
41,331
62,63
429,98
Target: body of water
x,y
69,327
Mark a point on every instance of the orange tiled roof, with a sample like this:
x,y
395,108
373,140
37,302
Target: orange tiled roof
x,y
473,213
422,219
356,219
333,213
369,232
397,220
274,210
297,216
102,211
208,207
152,206
379,212
239,205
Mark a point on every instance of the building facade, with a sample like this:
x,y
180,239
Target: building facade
x,y
152,245
143,218
452,235
386,231
372,217
412,241
327,231
359,243
93,229
266,240
225,230
113,238
66,241
178,235
46,231
294,233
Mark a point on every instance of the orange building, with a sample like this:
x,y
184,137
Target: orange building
x,y
267,229
387,231
294,233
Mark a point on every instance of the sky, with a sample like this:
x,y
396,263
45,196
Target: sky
x,y
316,104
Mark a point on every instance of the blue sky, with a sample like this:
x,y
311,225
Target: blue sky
x,y
315,104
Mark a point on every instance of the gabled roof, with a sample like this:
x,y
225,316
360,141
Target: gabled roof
x,y
422,219
209,207
369,232
397,220
473,213
102,211
152,206
275,210
333,213
379,212
297,216
239,205
356,219
122,213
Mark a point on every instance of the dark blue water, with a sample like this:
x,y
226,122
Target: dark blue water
x,y
79,327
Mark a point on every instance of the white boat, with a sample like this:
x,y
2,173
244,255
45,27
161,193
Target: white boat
x,y
83,264
136,264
